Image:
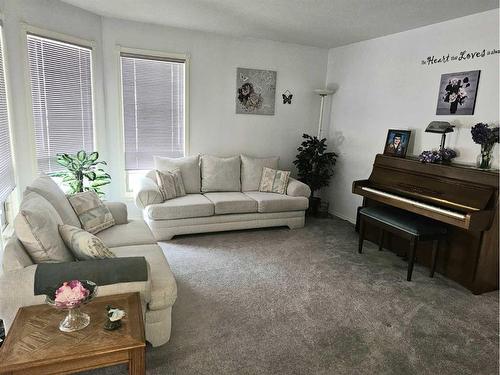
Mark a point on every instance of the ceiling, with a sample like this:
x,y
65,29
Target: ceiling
x,y
321,23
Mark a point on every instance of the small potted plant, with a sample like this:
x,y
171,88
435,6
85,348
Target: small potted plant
x,y
315,167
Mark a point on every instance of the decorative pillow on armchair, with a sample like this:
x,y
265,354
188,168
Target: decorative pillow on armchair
x,y
84,245
274,181
170,184
91,212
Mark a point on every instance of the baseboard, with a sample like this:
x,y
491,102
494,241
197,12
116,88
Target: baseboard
x,y
343,217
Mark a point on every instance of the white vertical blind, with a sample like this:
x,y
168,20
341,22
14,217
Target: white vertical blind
x,y
61,92
7,182
153,109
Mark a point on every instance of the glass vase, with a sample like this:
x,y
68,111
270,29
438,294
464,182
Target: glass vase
x,y
75,320
486,156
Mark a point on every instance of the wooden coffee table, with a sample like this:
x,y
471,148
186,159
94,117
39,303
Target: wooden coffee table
x,y
34,344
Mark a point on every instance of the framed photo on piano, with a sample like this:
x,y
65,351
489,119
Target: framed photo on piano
x,y
397,142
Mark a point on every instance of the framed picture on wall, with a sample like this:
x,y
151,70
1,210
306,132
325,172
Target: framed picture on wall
x,y
457,93
255,91
397,142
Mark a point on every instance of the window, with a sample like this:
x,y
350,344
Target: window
x,y
7,181
153,109
61,92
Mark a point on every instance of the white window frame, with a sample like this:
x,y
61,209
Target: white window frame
x,y
65,38
127,190
11,204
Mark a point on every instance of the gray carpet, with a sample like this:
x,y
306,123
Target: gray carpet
x,y
276,301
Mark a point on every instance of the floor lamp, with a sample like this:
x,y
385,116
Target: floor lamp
x,y
322,93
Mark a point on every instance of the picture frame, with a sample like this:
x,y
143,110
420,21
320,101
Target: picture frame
x,y
396,143
255,91
457,93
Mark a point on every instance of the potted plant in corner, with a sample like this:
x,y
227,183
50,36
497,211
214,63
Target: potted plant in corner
x,y
315,167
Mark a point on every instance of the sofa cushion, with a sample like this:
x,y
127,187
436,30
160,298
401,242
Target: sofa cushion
x,y
220,174
273,202
135,232
91,211
251,171
190,170
232,203
163,286
47,188
84,245
191,205
36,226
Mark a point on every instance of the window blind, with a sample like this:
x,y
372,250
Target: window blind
x,y
61,93
7,182
153,109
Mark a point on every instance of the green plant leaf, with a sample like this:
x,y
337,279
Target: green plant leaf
x,y
81,155
90,175
93,156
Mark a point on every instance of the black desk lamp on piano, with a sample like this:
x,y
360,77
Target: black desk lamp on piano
x,y
440,127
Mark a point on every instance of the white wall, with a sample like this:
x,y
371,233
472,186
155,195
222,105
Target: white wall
x,y
214,126
381,84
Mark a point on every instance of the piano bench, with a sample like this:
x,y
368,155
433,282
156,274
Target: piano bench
x,y
404,224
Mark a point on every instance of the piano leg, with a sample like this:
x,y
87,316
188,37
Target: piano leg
x,y
411,260
362,227
381,240
435,249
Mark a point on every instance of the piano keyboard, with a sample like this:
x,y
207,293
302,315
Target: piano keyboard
x,y
416,203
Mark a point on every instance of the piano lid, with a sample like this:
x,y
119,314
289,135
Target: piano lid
x,y
460,188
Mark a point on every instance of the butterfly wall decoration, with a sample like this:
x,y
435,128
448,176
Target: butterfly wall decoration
x,y
287,97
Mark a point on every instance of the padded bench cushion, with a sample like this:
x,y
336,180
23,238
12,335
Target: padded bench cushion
x,y
273,202
403,220
232,203
191,205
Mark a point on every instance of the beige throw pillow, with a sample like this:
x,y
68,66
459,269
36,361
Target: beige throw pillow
x,y
91,212
170,184
36,226
84,245
274,181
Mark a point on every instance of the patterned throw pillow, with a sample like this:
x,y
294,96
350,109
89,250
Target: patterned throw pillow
x,y
84,245
91,212
170,184
274,181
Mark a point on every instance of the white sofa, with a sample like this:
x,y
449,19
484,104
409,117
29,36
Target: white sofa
x,y
128,238
204,209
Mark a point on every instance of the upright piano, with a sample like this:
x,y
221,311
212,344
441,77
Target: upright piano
x,y
463,197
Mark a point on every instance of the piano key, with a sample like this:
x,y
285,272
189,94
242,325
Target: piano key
x,y
415,203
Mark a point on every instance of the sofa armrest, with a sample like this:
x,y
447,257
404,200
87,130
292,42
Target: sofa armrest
x,y
147,193
118,211
298,189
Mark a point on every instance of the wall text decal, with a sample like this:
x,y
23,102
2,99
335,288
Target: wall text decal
x,y
461,56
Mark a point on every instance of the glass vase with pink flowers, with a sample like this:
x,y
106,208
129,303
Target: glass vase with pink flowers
x,y
70,296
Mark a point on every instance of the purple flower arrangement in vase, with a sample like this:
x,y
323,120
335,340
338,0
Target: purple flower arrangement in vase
x,y
444,155
487,137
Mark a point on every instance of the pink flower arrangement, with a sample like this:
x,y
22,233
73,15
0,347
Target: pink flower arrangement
x,y
70,294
